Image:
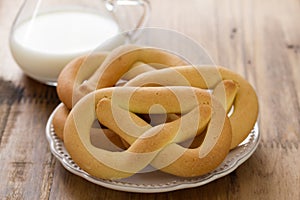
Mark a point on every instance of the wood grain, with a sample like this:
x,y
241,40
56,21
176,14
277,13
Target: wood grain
x,y
258,39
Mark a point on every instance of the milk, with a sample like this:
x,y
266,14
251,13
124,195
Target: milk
x,y
42,46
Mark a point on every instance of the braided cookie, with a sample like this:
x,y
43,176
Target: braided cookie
x,y
165,113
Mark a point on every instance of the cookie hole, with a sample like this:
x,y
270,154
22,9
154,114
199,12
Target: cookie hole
x,y
195,142
231,110
104,138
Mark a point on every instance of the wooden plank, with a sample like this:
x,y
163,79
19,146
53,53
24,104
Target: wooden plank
x,y
27,165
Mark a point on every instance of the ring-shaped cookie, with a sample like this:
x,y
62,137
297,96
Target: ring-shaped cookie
x,y
88,73
114,165
245,105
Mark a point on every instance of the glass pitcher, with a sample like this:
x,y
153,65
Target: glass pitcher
x,y
47,34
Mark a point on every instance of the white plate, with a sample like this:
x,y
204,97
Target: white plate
x,y
156,181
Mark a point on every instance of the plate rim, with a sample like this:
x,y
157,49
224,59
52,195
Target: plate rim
x,y
63,157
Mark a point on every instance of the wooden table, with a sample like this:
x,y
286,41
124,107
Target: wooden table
x,y
258,39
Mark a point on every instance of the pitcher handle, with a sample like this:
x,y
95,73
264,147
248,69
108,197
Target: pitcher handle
x,y
145,4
